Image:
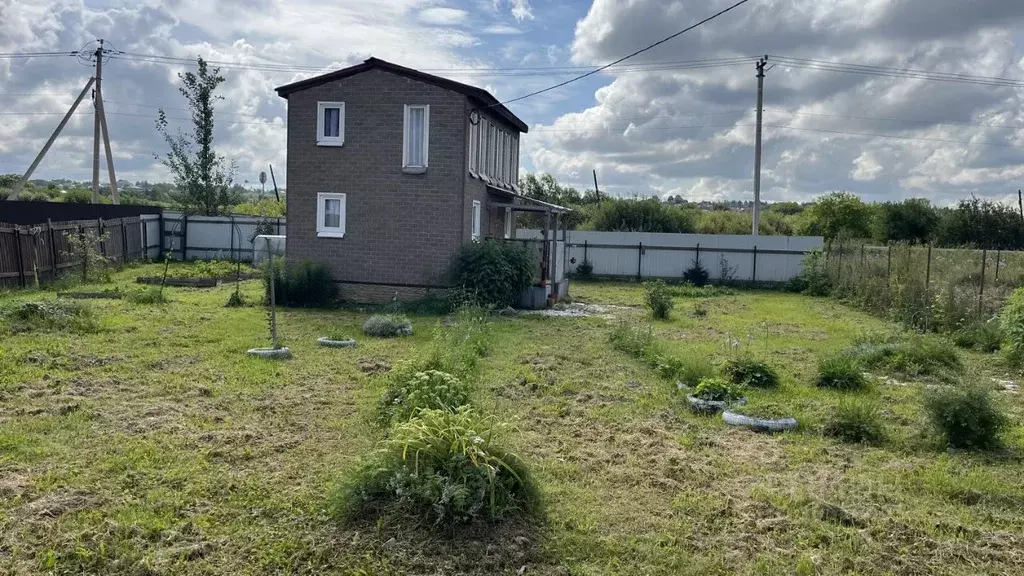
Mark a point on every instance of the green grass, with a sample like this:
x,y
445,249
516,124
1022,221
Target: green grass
x,y
156,446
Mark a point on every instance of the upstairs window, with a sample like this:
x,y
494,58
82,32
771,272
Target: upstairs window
x,y
508,222
474,144
416,136
476,220
330,122
330,215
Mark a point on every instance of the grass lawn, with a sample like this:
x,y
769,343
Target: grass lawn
x,y
156,446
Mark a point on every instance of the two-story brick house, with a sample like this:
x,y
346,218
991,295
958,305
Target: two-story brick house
x,y
390,170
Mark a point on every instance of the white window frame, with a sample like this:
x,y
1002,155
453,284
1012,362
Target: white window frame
x,y
508,223
321,209
515,161
322,140
492,160
405,136
474,144
475,219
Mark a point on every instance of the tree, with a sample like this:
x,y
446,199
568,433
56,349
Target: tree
x,y
981,224
837,215
547,189
202,177
786,208
912,220
636,215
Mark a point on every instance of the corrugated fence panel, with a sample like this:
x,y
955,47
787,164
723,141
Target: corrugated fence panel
x,y
657,255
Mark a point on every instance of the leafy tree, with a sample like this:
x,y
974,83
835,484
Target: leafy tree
x,y
546,189
912,220
982,224
787,208
837,215
636,215
720,221
202,177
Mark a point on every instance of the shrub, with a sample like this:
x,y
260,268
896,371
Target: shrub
x,y
1011,319
235,300
497,272
433,390
840,371
965,417
49,315
658,299
856,421
443,467
697,274
984,336
914,355
307,283
719,390
750,372
387,326
84,248
631,338
813,278
149,295
688,369
585,270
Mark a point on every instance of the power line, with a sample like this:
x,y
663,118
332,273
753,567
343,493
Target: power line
x,y
908,73
624,58
907,120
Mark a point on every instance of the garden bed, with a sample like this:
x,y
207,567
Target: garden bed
x,y
179,282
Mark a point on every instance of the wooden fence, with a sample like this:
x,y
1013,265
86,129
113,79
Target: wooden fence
x,y
40,253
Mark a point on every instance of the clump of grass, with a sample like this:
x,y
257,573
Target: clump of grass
x,y
718,390
840,372
764,410
235,300
687,290
856,421
387,326
688,369
1011,318
443,467
965,416
631,337
455,349
750,372
984,336
430,390
148,295
658,298
338,336
914,355
49,316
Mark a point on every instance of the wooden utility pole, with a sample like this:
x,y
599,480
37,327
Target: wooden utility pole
x,y
757,145
597,191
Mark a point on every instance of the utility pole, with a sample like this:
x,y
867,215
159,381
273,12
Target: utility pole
x,y
757,144
597,191
99,129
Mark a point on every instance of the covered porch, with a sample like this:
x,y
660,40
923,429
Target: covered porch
x,y
552,247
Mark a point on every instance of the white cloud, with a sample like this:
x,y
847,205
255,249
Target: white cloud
x,y
443,16
501,28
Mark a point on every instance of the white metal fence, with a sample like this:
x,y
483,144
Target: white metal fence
x,y
206,237
763,259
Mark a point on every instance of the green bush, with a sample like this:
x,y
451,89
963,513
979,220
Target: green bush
x,y
497,272
659,299
49,316
719,390
442,467
750,372
387,326
585,270
983,336
841,372
856,421
236,300
307,283
965,416
1011,319
697,274
148,295
813,278
913,355
688,369
433,390
631,337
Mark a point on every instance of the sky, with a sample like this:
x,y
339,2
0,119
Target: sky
x,y
649,129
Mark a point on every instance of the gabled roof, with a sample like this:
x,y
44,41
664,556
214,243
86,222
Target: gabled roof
x,y
481,95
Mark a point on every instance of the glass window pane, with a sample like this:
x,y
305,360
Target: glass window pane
x,y
332,121
332,213
416,117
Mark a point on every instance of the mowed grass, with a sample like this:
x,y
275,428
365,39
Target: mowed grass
x,y
156,446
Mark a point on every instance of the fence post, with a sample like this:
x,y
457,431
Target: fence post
x,y
100,229
696,259
124,243
163,238
753,274
85,260
862,259
839,266
928,271
584,250
999,253
144,230
19,257
231,246
981,287
639,259
184,235
53,250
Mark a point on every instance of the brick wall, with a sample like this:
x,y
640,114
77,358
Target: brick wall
x,y
400,228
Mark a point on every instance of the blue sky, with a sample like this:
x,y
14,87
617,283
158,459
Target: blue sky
x,y
662,132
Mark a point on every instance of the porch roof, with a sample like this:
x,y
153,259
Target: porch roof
x,y
532,204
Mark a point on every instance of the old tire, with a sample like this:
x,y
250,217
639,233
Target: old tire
x,y
759,424
271,353
350,343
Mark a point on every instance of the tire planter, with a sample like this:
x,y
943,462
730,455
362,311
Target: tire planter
x,y
271,353
701,406
337,343
759,424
